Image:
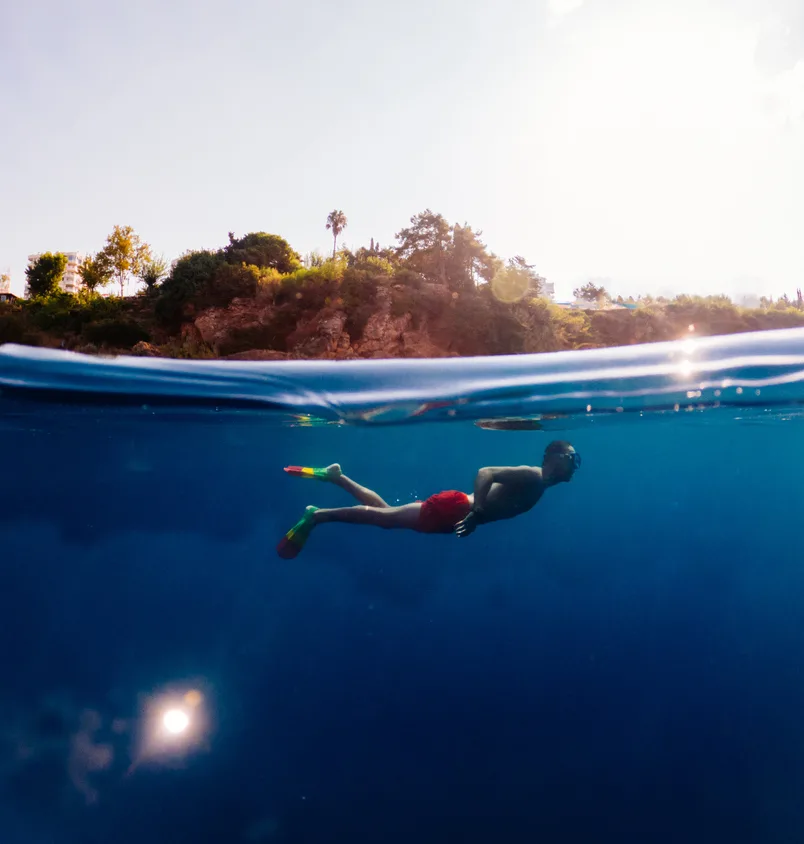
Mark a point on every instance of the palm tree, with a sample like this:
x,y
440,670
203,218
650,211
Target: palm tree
x,y
336,221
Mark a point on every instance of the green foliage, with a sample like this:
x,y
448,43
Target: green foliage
x,y
549,328
441,278
189,277
330,271
515,281
377,265
310,288
123,256
359,290
478,324
336,223
591,292
227,283
468,260
424,303
451,255
57,313
63,313
13,327
45,274
205,279
94,307
424,246
94,273
378,261
153,270
314,259
117,333
262,250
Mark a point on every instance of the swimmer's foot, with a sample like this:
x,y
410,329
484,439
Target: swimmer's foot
x,y
293,541
331,473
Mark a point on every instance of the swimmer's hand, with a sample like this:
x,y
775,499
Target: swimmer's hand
x,y
467,526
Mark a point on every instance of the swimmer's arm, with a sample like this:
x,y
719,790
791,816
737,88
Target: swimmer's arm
x,y
490,475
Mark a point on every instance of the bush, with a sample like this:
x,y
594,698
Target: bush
x,y
375,265
118,333
262,250
64,314
59,313
310,288
95,307
13,328
480,325
571,329
359,300
187,280
227,283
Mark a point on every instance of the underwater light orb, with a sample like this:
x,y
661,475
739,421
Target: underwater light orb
x,y
175,721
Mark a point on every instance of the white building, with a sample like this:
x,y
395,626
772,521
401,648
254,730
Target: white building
x,y
71,282
548,288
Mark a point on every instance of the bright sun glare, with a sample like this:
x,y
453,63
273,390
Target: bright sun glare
x,y
175,721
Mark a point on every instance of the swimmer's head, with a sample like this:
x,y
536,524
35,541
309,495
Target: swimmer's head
x,y
560,463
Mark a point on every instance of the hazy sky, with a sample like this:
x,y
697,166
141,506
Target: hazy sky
x,y
658,144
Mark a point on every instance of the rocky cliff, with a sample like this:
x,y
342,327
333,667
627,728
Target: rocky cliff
x,y
250,330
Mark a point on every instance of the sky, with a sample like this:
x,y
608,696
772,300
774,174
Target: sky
x,y
655,146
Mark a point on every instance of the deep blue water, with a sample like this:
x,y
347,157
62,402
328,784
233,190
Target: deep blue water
x,y
622,664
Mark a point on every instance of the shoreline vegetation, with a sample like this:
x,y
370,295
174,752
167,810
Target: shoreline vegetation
x,y
437,292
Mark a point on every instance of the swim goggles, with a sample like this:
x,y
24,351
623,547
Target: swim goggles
x,y
574,456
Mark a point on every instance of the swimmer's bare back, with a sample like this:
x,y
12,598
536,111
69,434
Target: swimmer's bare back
x,y
502,492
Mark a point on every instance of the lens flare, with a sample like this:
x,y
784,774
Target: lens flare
x,y
175,721
193,698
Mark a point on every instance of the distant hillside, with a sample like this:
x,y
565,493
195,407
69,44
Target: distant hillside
x,y
438,293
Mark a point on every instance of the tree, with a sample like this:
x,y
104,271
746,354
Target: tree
x,y
451,255
5,282
370,258
590,292
258,249
94,273
336,223
314,259
424,246
515,281
189,275
469,259
45,274
124,255
519,265
152,272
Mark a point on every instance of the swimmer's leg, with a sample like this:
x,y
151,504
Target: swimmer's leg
x,y
389,518
333,474
363,494
404,517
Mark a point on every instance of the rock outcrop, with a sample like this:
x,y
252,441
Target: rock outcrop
x,y
249,329
145,350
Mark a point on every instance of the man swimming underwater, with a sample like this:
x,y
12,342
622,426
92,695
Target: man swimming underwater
x,y
501,492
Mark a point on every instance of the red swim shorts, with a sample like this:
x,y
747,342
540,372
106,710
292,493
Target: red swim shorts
x,y
442,511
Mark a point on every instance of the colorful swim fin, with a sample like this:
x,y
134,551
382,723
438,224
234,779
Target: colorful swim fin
x,y
293,541
307,472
